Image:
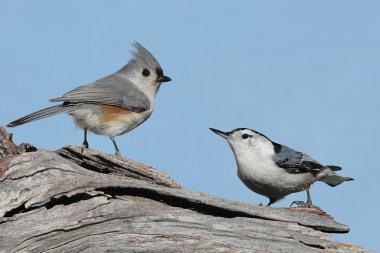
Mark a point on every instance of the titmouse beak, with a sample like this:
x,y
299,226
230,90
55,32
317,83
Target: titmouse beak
x,y
163,79
220,133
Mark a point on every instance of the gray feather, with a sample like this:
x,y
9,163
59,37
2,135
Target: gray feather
x,y
116,89
334,168
334,180
144,57
294,161
47,112
141,57
113,90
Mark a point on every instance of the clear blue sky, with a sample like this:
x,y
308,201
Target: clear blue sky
x,y
305,73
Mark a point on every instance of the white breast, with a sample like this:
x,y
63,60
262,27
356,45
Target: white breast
x,y
260,173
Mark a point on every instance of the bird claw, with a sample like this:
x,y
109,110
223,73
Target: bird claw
x,y
301,204
82,149
84,146
118,153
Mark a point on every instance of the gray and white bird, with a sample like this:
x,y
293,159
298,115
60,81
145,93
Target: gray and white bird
x,y
274,170
113,105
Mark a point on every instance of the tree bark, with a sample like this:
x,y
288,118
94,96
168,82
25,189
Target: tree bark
x,y
64,201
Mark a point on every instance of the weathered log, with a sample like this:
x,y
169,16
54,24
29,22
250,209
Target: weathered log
x,y
8,149
106,163
64,201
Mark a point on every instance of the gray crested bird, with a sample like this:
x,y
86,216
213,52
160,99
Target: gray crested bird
x,y
274,170
113,105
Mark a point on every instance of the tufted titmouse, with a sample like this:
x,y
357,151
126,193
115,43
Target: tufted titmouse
x,y
113,105
275,170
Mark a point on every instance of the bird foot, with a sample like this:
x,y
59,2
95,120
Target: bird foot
x,y
301,204
82,149
118,153
84,146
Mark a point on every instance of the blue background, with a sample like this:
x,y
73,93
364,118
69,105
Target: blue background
x,y
305,73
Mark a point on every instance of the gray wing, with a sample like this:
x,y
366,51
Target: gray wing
x,y
113,90
295,161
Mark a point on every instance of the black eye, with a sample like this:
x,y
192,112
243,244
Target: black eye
x,y
145,72
244,136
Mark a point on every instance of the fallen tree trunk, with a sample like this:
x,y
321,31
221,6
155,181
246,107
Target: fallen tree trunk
x,y
67,202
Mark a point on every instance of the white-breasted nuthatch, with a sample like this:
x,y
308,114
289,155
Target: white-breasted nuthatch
x,y
112,105
274,170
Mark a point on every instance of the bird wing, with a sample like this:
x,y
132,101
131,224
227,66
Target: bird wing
x,y
294,161
113,90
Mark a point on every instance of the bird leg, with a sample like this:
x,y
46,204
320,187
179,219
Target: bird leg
x,y
308,204
308,201
85,143
116,148
271,201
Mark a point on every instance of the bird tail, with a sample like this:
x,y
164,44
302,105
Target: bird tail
x,y
335,179
334,168
47,112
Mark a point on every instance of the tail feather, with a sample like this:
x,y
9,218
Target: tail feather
x,y
47,112
334,168
334,180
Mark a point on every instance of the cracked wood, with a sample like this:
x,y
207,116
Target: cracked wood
x,y
58,202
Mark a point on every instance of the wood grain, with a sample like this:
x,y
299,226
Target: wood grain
x,y
60,202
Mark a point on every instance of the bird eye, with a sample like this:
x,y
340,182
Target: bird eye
x,y
244,136
145,72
